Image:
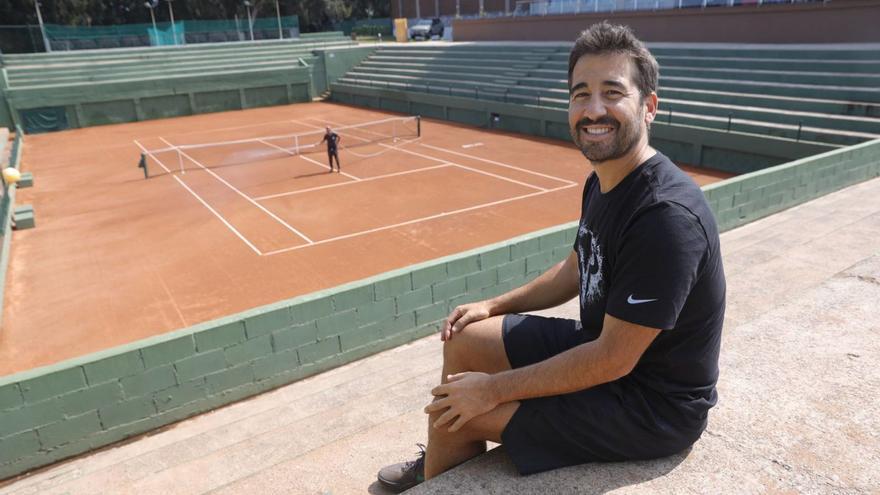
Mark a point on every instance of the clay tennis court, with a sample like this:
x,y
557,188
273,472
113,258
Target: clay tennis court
x,y
217,230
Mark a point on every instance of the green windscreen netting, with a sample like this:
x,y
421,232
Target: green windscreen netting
x,y
165,33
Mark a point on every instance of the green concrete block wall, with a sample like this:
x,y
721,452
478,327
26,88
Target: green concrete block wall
x,y
51,413
334,63
748,197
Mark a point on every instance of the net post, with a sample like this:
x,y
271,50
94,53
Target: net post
x,y
180,160
142,163
418,126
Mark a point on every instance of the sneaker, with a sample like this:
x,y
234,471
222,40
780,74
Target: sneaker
x,y
404,475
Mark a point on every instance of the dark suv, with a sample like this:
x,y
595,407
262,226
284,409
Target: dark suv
x,y
426,29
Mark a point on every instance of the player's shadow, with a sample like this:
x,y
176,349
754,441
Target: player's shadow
x,y
312,174
494,473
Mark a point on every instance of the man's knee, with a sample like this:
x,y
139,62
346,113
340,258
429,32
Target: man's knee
x,y
478,347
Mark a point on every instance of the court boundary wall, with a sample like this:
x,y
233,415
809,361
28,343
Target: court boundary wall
x,y
54,412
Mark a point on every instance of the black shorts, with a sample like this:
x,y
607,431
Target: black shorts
x,y
610,422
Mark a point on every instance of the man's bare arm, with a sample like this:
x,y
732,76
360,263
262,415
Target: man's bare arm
x,y
552,288
613,355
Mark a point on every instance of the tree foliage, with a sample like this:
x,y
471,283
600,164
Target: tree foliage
x,y
314,15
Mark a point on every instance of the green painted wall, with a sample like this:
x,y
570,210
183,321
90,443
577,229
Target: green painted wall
x,y
748,197
336,63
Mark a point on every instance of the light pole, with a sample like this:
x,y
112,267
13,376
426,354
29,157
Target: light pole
x,y
173,29
150,5
42,27
278,14
247,5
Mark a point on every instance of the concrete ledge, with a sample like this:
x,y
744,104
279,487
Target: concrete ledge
x,y
27,180
23,217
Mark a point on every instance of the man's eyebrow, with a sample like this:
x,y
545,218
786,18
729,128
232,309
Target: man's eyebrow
x,y
609,82
577,86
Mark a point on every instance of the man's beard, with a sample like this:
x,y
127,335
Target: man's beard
x,y
626,137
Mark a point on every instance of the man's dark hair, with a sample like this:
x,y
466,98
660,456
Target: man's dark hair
x,y
605,38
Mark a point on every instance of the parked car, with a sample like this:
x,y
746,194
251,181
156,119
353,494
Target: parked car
x,y
426,29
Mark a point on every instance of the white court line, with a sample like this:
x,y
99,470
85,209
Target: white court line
x,y
474,170
212,210
328,186
316,162
245,196
501,177
408,222
308,159
498,163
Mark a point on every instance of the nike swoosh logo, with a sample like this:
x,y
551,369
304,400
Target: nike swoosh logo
x,y
638,301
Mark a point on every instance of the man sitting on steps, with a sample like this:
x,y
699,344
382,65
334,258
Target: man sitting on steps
x,y
635,377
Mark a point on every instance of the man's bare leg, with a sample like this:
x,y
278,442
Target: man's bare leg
x,y
479,347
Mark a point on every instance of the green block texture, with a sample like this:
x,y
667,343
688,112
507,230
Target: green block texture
x,y
126,412
248,350
114,368
53,384
222,336
201,364
10,396
168,352
267,323
12,448
295,336
72,428
26,418
149,381
91,398
184,393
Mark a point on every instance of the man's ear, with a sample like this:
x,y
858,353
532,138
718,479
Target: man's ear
x,y
651,102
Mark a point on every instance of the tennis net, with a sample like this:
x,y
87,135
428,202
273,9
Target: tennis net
x,y
183,157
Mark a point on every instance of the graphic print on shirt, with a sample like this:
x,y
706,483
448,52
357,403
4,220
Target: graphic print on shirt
x,y
591,267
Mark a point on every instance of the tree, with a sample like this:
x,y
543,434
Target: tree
x,y
315,15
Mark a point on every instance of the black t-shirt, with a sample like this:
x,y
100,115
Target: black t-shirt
x,y
648,253
331,138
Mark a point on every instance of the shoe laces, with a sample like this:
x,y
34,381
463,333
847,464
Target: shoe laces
x,y
419,461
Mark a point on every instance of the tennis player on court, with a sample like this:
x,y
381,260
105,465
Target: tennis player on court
x,y
333,141
634,377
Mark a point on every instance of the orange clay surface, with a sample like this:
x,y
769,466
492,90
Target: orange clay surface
x,y
116,258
